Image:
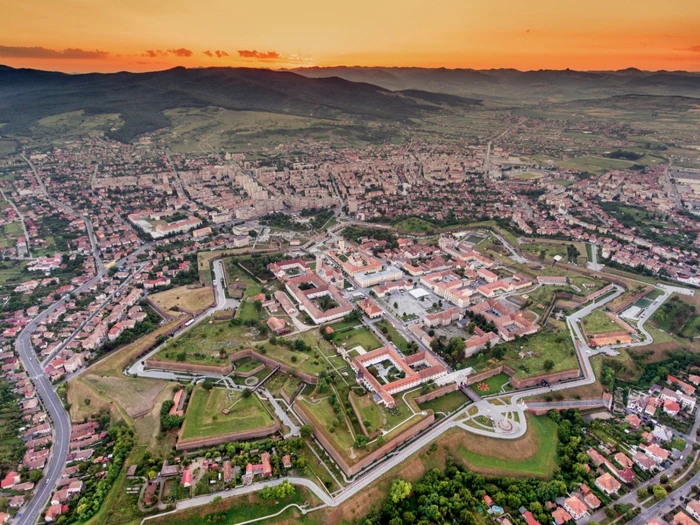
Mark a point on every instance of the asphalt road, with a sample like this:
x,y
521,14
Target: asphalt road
x,y
59,419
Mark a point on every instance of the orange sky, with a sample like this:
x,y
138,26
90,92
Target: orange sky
x,y
139,35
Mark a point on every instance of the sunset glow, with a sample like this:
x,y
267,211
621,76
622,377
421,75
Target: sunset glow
x,y
80,35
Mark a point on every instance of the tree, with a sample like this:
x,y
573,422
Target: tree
x,y
152,474
35,476
548,365
400,490
258,305
247,392
306,430
208,384
659,492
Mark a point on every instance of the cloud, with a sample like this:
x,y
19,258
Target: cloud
x,y
220,54
209,53
258,55
694,49
43,52
181,52
153,53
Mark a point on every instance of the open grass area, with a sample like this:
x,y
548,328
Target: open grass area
x,y
535,454
323,418
678,316
592,164
184,298
415,225
357,337
369,411
394,336
239,509
14,272
206,342
545,345
493,385
136,400
204,417
446,403
599,323
310,362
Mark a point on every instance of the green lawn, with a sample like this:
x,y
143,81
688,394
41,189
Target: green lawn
x,y
594,164
446,403
13,271
369,411
204,417
599,323
323,416
394,336
238,509
494,384
692,327
357,337
545,345
527,176
204,343
415,225
304,361
248,312
540,464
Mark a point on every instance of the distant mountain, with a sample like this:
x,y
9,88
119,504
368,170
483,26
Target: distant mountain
x,y
27,95
510,85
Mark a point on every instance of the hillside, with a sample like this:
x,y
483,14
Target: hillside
x,y
28,95
510,85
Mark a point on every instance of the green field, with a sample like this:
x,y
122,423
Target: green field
x,y
541,463
204,417
415,225
369,410
447,403
13,271
677,317
357,337
394,336
205,343
527,176
593,164
495,384
599,323
545,345
309,362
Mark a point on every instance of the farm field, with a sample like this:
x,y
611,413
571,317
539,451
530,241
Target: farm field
x,y
593,164
599,323
184,298
204,417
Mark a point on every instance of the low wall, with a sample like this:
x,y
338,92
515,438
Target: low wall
x,y
351,470
177,366
249,352
193,444
452,387
550,378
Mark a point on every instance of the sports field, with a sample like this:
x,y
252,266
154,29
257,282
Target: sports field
x,y
205,417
